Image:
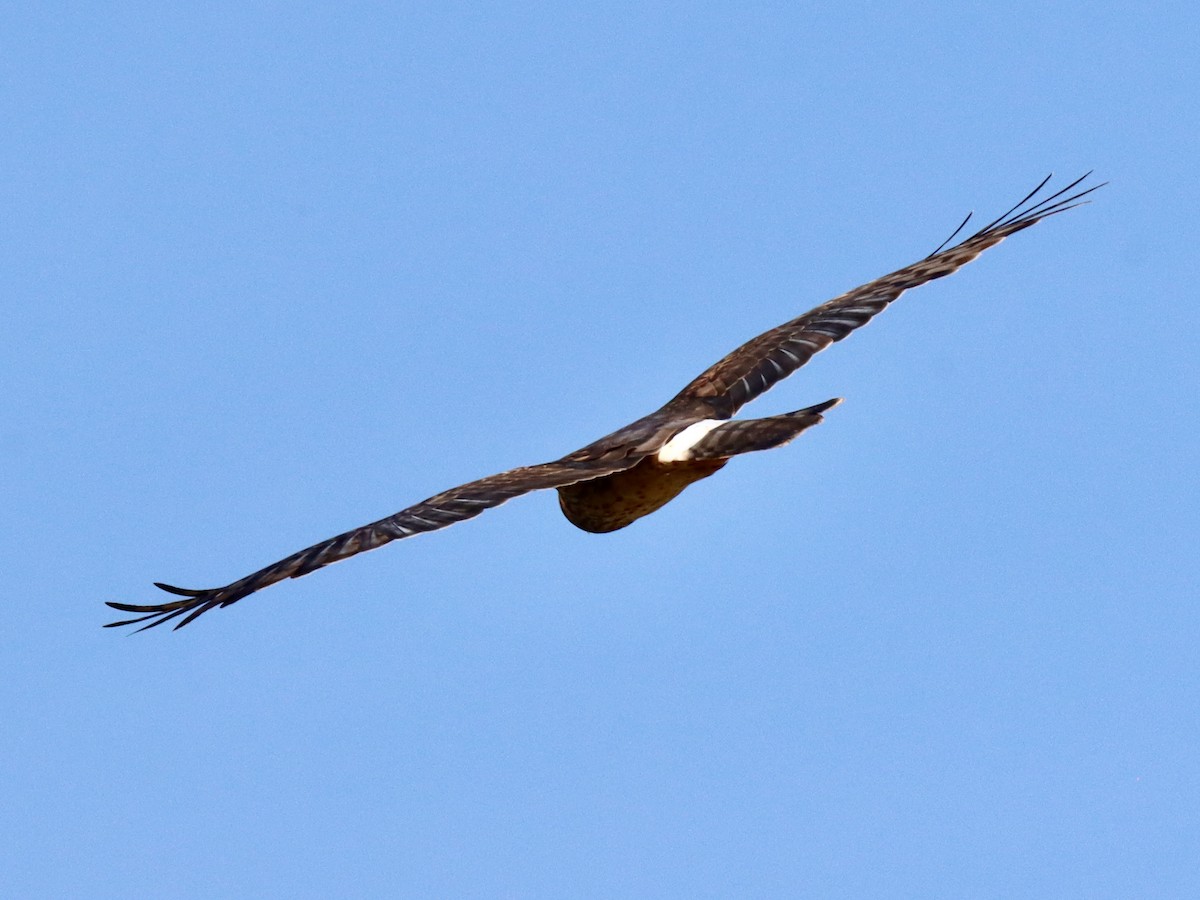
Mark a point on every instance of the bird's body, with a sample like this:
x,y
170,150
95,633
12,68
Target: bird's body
x,y
614,501
636,470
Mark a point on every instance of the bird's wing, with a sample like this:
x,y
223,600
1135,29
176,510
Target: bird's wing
x,y
463,502
757,365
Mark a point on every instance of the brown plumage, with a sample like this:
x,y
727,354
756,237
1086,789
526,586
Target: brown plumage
x,y
632,472
606,504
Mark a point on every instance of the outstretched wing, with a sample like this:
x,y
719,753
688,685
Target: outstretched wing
x,y
463,502
754,367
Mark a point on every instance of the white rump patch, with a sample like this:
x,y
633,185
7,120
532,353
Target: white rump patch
x,y
679,448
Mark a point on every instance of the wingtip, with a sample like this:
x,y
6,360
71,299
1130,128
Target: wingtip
x,y
129,607
178,591
825,407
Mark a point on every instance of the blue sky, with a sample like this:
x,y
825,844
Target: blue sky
x,y
272,271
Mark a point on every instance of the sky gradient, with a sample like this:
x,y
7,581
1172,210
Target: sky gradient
x,y
273,271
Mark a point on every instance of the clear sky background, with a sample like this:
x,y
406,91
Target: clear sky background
x,y
271,271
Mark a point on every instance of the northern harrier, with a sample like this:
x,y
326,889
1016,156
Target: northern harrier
x,y
632,472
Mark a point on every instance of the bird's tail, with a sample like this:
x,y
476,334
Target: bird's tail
x,y
747,435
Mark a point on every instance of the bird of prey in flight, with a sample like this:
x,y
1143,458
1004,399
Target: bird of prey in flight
x,y
632,472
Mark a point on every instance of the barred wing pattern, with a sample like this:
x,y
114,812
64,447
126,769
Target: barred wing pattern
x,y
757,365
440,511
718,392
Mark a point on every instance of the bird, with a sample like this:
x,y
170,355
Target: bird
x,y
618,479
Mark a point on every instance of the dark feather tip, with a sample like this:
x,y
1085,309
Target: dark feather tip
x,y
182,592
129,607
